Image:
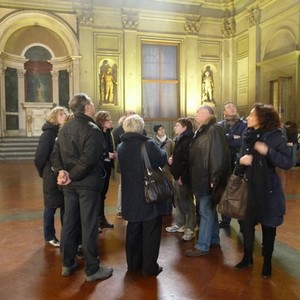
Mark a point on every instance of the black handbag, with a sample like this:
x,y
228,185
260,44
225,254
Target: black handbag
x,y
234,200
157,186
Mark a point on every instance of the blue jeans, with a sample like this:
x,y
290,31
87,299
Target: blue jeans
x,y
208,227
293,153
49,228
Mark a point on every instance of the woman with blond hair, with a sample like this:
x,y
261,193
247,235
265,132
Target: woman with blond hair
x,y
144,225
53,197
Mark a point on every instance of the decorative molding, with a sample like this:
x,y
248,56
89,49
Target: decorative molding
x,y
130,19
254,16
85,16
192,24
228,26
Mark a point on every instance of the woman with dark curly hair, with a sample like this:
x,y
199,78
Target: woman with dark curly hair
x,y
264,148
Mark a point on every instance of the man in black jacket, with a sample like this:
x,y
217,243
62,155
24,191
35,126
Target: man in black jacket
x,y
78,161
209,169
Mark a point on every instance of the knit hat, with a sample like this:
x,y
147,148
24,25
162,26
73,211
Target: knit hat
x,y
156,127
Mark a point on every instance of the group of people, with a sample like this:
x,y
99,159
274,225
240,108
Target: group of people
x,y
201,163
198,162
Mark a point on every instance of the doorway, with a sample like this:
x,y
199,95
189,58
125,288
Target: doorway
x,y
280,93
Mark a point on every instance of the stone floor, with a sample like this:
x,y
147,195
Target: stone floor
x,y
31,270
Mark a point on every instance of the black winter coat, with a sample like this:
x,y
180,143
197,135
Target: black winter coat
x,y
79,150
264,184
134,206
209,158
180,165
53,196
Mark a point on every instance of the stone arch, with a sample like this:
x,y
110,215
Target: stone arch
x,y
58,34
281,40
50,22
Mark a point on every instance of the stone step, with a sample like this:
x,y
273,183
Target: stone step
x,y
18,148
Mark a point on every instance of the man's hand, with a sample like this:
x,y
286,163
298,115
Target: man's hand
x,y
63,178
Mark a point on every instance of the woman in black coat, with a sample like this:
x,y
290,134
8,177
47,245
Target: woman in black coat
x,y
144,220
264,148
103,120
185,215
53,197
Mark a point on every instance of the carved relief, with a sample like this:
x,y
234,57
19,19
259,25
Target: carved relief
x,y
229,24
192,24
130,19
85,16
254,17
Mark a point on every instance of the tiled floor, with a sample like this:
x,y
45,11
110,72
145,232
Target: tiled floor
x,y
31,270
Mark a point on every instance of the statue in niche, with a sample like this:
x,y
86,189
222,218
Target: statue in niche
x,y
208,86
38,87
108,82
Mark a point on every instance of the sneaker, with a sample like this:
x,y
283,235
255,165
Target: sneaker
x,y
67,271
188,235
103,273
195,252
175,228
119,215
55,243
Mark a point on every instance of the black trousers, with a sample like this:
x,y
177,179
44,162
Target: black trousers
x,y
107,166
142,245
268,238
80,220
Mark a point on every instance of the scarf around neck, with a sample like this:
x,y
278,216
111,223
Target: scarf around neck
x,y
257,175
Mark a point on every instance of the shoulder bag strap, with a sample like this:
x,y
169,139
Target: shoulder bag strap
x,y
145,157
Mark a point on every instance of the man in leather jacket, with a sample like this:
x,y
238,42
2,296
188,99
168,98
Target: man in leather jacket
x,y
78,161
209,169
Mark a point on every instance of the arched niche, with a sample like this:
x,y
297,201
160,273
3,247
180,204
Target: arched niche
x,y
24,30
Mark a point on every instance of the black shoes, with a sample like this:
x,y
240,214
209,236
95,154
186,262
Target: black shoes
x,y
158,271
223,224
266,270
104,224
244,264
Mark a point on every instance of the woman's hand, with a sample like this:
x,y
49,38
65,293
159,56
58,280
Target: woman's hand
x,y
246,160
179,181
261,148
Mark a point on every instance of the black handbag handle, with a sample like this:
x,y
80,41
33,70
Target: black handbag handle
x,y
145,158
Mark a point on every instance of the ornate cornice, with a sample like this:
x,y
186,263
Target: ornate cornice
x,y
228,25
192,24
130,19
254,17
85,17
